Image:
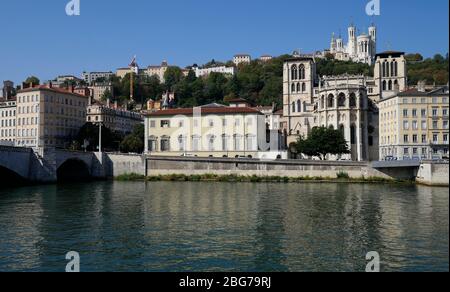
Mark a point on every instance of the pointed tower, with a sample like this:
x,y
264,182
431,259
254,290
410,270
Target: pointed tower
x,y
351,48
333,45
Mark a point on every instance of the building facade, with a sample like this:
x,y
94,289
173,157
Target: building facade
x,y
157,71
8,89
221,69
242,59
114,118
91,77
414,125
8,121
98,89
390,74
208,131
48,116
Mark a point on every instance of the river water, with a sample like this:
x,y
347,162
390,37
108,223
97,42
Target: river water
x,y
161,226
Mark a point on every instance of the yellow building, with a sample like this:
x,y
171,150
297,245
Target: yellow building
x,y
209,131
49,116
414,125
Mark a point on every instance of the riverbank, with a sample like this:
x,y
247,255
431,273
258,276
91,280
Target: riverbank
x,y
340,178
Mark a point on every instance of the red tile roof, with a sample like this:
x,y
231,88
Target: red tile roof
x,y
52,89
215,110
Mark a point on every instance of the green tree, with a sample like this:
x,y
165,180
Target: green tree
x,y
321,142
172,76
135,141
90,133
32,79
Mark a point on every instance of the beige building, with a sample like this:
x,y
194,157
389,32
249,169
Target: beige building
x,y
390,74
122,72
157,71
209,131
8,122
97,90
112,117
414,125
48,116
242,59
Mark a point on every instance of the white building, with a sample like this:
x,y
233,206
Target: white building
x,y
221,69
90,77
242,59
359,48
208,131
8,122
113,117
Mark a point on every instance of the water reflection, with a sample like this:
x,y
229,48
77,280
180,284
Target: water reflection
x,y
224,227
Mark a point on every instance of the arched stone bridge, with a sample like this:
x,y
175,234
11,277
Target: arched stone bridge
x,y
50,164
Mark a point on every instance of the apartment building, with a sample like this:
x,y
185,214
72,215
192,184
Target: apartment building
x,y
98,89
242,59
209,131
414,125
220,69
7,122
91,77
112,117
49,116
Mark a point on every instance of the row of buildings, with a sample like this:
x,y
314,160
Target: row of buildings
x,y
380,117
48,116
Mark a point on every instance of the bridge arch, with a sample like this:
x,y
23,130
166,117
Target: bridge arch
x,y
72,170
9,177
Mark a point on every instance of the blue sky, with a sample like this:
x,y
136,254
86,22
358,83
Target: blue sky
x,y
38,38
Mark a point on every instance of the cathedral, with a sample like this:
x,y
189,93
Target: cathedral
x,y
344,102
359,48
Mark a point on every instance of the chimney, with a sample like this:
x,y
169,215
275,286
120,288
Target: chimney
x,y
421,85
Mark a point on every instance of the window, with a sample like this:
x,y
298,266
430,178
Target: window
x,y
445,125
445,138
424,139
445,112
435,112
341,100
152,124
405,113
405,139
165,124
415,140
224,142
165,144
195,143
182,143
406,151
352,100
424,125
423,113
435,125
237,142
331,101
211,123
405,125
435,138
414,113
415,125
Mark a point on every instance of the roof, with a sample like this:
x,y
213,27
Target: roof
x,y
239,99
301,58
390,53
207,110
415,92
242,55
51,89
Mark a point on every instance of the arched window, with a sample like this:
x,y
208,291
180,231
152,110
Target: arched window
x,y
383,69
390,85
396,85
392,69
303,87
342,129
302,72
384,84
387,70
322,102
330,101
353,134
293,107
299,106
294,72
352,100
293,87
395,68
298,87
341,100
304,107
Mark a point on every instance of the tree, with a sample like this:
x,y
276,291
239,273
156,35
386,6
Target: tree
x,y
172,76
32,79
90,133
135,141
321,142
